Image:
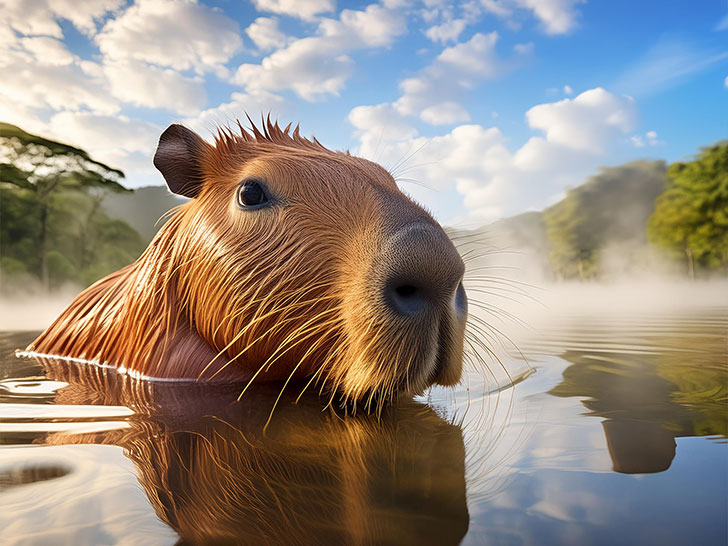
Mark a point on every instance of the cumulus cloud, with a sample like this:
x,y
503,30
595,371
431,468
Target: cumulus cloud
x,y
117,140
374,26
227,113
40,17
449,31
316,66
555,16
180,35
70,86
265,33
311,67
305,9
444,113
380,121
573,136
649,139
587,122
146,85
96,132
47,50
431,93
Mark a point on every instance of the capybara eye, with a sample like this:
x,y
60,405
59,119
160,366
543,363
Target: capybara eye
x,y
251,194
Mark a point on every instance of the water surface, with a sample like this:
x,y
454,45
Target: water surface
x,y
611,430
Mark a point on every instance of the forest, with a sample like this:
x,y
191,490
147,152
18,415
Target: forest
x,y
68,219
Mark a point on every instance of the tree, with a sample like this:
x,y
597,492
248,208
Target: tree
x,y
53,226
46,168
691,217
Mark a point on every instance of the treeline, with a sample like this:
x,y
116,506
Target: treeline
x,y
640,217
53,227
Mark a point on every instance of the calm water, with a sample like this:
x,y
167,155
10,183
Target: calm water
x,y
614,433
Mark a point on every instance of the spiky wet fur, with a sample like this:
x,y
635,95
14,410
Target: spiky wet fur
x,y
281,294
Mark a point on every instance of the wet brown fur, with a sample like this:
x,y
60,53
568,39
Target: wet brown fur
x,y
284,294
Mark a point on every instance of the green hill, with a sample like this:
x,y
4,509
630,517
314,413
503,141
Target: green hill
x,y
572,238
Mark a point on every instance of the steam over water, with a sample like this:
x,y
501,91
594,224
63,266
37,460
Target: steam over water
x,y
605,422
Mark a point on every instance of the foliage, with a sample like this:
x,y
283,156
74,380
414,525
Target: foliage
x,y
52,226
691,218
611,208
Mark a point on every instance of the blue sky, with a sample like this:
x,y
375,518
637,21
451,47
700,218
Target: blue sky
x,y
495,106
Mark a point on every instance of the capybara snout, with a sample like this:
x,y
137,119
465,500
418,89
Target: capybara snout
x,y
289,263
422,271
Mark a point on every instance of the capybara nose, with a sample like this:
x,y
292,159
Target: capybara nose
x,y
423,272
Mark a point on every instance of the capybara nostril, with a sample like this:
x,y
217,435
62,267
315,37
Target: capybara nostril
x,y
406,299
461,300
423,270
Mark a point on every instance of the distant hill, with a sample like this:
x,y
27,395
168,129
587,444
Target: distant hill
x,y
143,208
600,221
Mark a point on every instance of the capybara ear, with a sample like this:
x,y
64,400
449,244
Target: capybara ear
x,y
178,159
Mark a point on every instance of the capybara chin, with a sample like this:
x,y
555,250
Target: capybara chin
x,y
290,262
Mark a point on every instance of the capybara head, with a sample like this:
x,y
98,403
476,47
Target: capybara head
x,y
312,263
289,263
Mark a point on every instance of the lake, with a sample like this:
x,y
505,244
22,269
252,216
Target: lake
x,y
593,429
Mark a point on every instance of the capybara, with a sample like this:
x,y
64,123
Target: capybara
x,y
290,262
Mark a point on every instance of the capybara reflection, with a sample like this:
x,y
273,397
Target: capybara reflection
x,y
290,262
217,474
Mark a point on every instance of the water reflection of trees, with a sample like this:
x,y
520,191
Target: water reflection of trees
x,y
214,472
651,396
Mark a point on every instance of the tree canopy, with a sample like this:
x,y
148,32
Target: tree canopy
x,y
691,217
52,226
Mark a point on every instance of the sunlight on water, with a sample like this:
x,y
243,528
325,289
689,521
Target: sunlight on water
x,y
606,428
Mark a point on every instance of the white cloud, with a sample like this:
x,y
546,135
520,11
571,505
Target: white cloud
x,y
380,121
449,31
99,133
181,35
431,94
317,66
637,141
475,162
524,49
41,16
71,86
374,26
725,82
568,90
254,104
141,84
586,122
305,9
46,50
650,139
444,113
121,142
556,16
474,57
265,33
311,67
